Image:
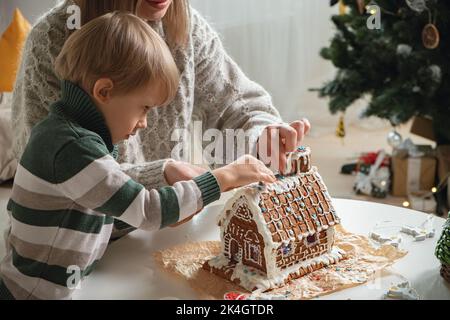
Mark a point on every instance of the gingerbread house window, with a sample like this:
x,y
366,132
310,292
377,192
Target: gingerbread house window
x,y
311,240
252,250
235,250
253,253
242,210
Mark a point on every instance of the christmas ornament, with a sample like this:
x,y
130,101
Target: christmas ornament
x,y
361,6
417,5
394,139
430,36
342,7
340,130
436,73
404,50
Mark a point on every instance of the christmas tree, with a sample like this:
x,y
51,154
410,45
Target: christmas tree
x,y
403,64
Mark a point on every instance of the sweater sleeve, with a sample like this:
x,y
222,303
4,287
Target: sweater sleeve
x,y
88,175
225,98
37,85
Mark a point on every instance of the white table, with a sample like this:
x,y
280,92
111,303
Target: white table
x,y
127,271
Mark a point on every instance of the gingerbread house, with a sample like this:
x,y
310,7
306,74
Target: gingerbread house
x,y
274,233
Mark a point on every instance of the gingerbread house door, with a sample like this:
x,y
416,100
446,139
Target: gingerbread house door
x,y
235,250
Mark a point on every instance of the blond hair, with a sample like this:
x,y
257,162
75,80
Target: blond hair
x,y
176,21
122,47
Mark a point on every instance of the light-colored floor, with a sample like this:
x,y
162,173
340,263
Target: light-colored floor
x,y
329,153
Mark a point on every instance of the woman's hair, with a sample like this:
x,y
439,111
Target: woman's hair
x,y
176,21
122,47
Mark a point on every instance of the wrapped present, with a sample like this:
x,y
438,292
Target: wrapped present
x,y
423,127
374,180
364,161
443,157
422,201
370,158
413,168
443,251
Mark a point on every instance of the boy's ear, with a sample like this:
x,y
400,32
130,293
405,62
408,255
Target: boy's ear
x,y
103,89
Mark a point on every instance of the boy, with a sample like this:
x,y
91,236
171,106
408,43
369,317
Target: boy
x,y
68,187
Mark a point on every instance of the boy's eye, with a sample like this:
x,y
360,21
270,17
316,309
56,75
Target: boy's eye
x,y
147,108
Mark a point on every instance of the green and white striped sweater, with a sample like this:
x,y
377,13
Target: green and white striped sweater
x,y
67,192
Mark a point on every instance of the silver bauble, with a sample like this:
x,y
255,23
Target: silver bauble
x,y
394,139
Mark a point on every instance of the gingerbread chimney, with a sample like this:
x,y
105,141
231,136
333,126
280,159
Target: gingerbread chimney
x,y
298,161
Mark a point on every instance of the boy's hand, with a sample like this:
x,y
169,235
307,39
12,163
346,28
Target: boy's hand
x,y
176,171
246,170
286,138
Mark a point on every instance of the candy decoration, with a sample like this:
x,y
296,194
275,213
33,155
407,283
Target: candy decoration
x,y
235,296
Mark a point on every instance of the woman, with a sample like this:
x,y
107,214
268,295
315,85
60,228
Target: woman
x,y
212,89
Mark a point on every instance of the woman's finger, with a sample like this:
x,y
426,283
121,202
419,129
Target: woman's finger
x,y
307,125
289,136
267,178
300,127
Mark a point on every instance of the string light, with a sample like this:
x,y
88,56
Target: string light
x,y
434,189
406,204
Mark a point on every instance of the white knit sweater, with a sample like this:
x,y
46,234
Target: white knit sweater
x,y
213,89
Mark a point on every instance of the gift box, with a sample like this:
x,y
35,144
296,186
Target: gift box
x,y
423,127
422,201
443,157
413,170
370,158
373,177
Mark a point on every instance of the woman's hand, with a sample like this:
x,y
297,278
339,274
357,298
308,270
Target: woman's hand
x,y
246,170
176,171
285,138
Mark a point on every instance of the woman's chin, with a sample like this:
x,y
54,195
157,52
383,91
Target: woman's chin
x,y
151,14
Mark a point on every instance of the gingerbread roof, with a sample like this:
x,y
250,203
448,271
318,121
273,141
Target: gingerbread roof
x,y
297,206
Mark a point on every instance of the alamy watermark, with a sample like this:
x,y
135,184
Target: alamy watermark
x,y
74,280
374,20
215,147
74,19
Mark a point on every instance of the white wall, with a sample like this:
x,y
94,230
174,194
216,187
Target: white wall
x,y
31,9
277,44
